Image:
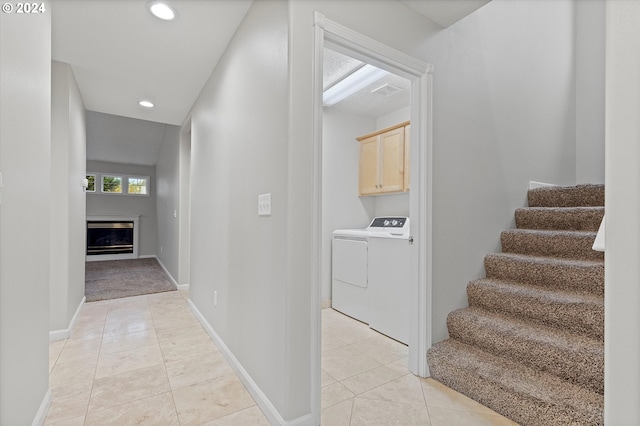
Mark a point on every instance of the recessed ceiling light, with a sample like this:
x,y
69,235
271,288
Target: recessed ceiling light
x,y
162,10
146,104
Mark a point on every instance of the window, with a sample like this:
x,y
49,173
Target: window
x,y
138,185
112,184
117,184
91,186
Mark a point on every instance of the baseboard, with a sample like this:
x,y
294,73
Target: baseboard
x,y
166,271
534,185
326,303
261,399
183,286
43,410
65,333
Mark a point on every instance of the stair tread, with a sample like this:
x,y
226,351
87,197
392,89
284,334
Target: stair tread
x,y
555,295
550,260
572,218
521,329
567,196
565,244
553,232
522,393
580,312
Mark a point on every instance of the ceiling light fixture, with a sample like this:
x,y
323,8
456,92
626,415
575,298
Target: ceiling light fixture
x,y
146,104
162,10
352,83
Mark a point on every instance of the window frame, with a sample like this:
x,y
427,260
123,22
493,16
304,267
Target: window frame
x,y
124,183
147,182
121,177
94,182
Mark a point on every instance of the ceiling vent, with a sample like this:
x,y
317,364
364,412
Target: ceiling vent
x,y
387,90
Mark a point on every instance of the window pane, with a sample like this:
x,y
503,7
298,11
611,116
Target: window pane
x,y
112,184
138,186
92,183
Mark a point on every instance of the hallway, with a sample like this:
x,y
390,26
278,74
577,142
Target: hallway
x,y
146,360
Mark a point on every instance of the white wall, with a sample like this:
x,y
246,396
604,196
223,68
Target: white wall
x,y
504,114
25,161
240,149
590,55
123,205
184,266
68,203
622,274
168,200
342,208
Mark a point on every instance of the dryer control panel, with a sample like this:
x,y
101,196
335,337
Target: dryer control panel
x,y
388,222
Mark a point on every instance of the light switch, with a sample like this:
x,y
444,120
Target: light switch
x,y
264,205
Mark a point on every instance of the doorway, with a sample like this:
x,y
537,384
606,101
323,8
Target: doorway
x,y
347,42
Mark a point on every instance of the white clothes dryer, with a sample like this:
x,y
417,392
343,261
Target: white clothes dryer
x,y
350,276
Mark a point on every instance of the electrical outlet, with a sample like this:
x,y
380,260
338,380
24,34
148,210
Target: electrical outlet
x,y
215,298
264,205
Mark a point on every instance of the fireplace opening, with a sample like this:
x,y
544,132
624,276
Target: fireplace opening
x,y
109,237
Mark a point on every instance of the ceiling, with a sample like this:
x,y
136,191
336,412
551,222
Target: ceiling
x,y
121,54
369,101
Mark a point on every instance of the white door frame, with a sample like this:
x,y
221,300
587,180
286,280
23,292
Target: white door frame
x,y
337,37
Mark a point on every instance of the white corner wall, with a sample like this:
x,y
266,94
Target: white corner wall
x,y
622,274
504,114
127,205
68,203
168,200
240,149
590,81
25,164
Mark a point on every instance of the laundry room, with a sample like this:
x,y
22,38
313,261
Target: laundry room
x,y
365,120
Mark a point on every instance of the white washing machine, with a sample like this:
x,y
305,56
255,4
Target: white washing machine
x,y
389,290
370,275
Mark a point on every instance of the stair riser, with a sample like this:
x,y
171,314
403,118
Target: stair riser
x,y
585,318
563,219
562,246
589,278
582,195
579,365
525,409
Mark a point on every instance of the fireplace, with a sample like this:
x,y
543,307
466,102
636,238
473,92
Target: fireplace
x,y
110,238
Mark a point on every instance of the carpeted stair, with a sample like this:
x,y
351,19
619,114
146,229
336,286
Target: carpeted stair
x,y
531,343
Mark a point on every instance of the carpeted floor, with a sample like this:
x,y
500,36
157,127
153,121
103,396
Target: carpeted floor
x,y
113,279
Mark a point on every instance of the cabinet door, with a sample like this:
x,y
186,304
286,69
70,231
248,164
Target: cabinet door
x,y
368,182
392,160
407,157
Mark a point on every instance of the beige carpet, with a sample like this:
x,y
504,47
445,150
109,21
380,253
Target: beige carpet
x,y
531,343
113,279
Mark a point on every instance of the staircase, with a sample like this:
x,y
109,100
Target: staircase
x,y
531,343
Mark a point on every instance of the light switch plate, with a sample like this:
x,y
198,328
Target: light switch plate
x,y
264,205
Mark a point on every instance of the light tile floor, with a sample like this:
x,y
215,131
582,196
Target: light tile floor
x,y
146,360
365,381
